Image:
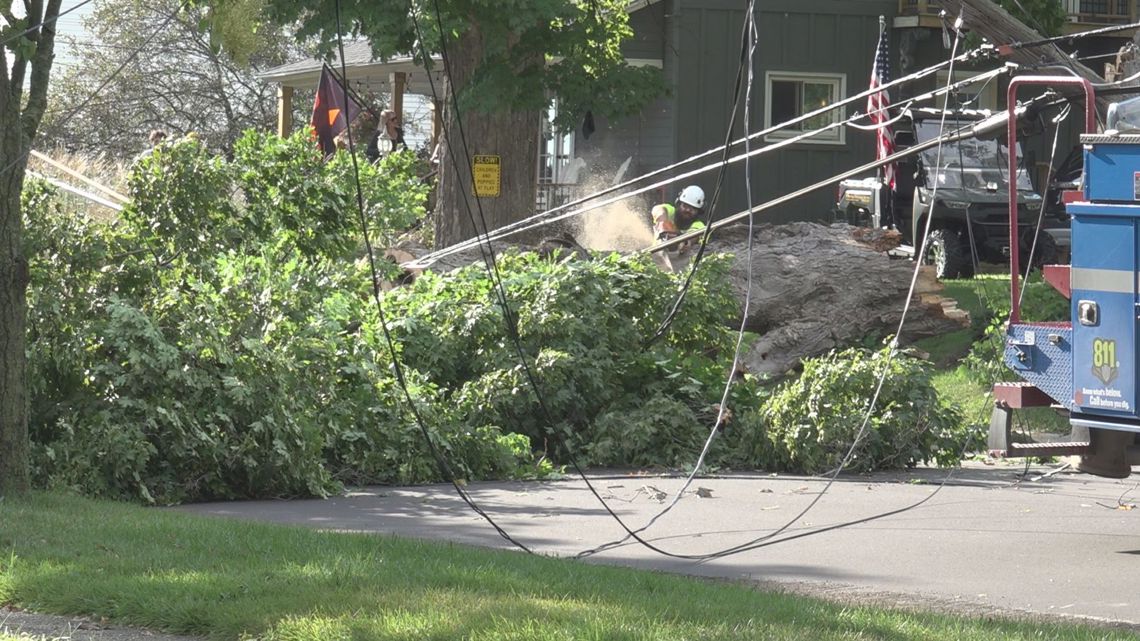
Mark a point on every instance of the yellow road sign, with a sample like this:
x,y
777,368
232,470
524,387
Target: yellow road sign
x,y
488,176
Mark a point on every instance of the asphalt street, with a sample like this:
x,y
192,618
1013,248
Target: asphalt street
x,y
990,539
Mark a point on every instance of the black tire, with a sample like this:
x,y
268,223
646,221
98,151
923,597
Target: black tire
x,y
949,255
1047,253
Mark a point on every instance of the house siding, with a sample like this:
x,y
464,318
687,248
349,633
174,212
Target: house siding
x,y
816,36
820,36
646,138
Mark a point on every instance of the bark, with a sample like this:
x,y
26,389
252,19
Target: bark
x,y
513,136
996,25
816,288
17,131
13,306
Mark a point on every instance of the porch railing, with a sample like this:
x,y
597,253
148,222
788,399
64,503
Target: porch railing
x,y
551,195
1084,11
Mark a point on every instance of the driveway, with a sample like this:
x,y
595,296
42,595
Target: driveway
x,y
1051,542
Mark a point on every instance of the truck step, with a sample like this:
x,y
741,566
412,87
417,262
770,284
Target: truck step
x,y
1020,394
1000,443
1016,450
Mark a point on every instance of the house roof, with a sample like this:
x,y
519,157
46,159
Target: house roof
x,y
361,66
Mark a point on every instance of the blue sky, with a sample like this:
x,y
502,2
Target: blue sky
x,y
70,24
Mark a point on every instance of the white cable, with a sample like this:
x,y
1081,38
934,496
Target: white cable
x,y
894,341
75,174
1041,213
95,198
752,40
541,219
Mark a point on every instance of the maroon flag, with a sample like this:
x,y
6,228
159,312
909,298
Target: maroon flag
x,y
878,102
330,113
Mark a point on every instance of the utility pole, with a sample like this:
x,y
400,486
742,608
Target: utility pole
x,y
989,20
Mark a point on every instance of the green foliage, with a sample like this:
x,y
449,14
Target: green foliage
x,y
203,347
219,340
1046,16
180,204
517,39
813,420
583,326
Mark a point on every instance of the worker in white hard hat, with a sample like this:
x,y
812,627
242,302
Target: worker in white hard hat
x,y
674,220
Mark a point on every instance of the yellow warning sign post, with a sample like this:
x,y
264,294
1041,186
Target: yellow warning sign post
x,y
488,176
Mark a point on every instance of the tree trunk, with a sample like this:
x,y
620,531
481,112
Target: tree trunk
x,y
13,308
512,136
814,288
817,288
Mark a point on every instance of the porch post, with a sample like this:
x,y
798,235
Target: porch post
x,y
398,81
436,121
284,110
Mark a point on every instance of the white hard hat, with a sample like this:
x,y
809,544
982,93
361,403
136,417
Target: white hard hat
x,y
693,196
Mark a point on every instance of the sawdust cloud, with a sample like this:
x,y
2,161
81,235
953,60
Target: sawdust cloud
x,y
622,226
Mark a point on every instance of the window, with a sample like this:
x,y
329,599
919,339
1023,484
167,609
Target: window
x,y
978,95
557,166
790,95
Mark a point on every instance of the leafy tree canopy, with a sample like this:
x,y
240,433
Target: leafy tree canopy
x,y
173,78
532,49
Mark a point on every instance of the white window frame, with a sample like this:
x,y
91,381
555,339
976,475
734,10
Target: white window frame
x,y
987,93
838,81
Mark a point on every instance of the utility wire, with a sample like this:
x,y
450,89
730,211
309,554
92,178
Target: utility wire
x,y
542,219
514,227
985,51
45,23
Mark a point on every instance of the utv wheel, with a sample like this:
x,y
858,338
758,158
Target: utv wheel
x,y
949,255
1048,252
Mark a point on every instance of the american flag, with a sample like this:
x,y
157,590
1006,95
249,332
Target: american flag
x,y
878,102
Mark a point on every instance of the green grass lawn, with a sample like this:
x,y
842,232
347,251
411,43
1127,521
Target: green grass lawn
x,y
231,580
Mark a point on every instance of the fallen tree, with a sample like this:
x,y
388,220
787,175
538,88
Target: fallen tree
x,y
815,288
818,287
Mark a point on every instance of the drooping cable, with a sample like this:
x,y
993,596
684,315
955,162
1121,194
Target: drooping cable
x,y
397,367
488,252
702,246
891,352
723,406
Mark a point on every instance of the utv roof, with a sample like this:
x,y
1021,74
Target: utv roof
x,y
930,113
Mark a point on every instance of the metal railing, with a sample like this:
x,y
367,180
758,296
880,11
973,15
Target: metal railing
x,y
551,195
1083,11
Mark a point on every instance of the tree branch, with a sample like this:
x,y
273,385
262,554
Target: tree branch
x,y
41,72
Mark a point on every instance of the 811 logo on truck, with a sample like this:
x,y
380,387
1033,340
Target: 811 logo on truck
x,y
1105,366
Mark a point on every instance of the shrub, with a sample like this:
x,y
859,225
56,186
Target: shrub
x,y
812,421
